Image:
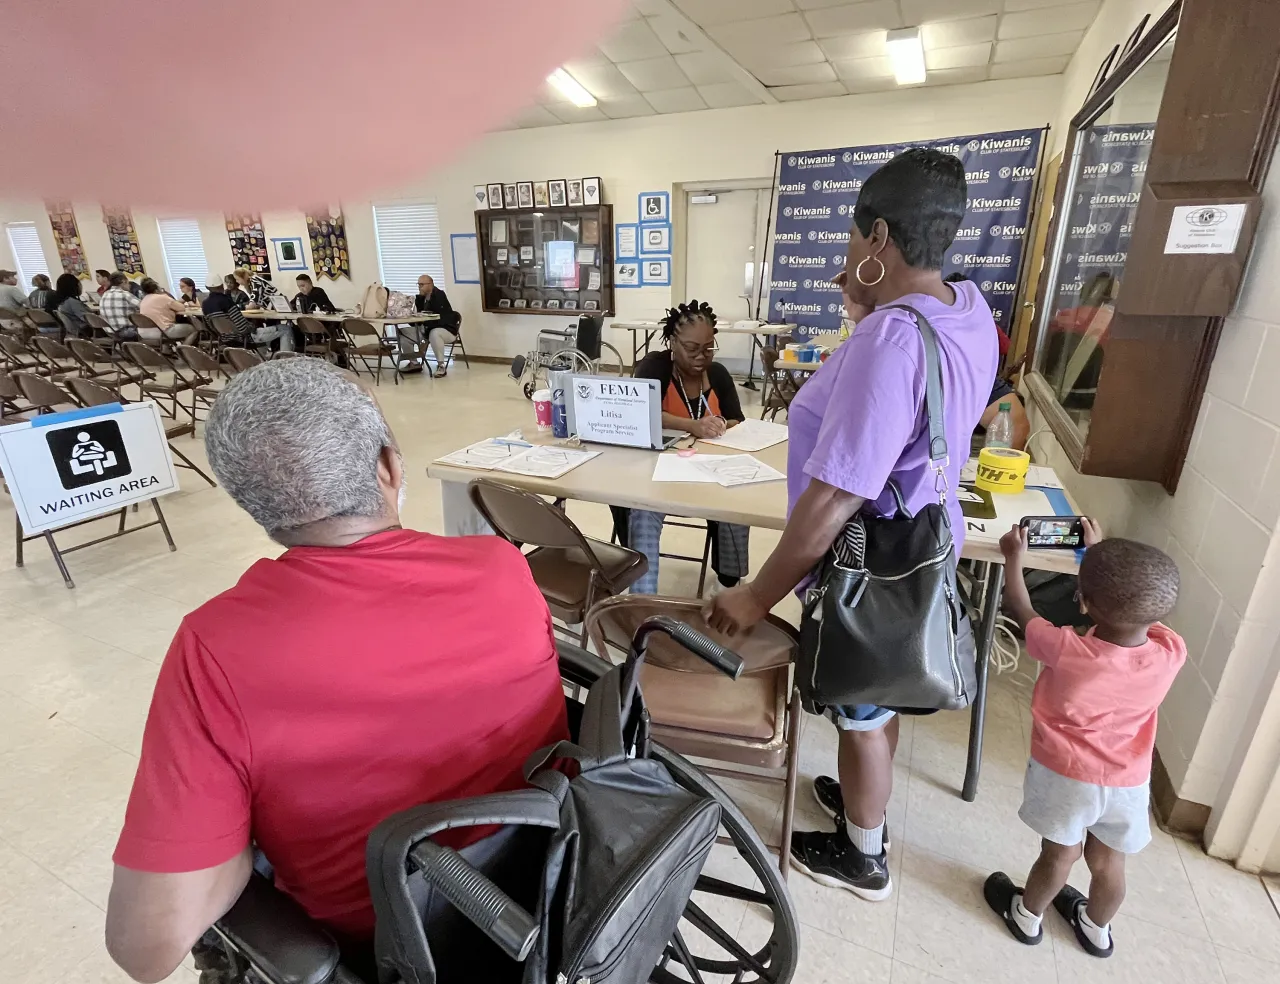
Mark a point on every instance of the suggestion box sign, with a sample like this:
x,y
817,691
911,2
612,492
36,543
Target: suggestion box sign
x,y
62,468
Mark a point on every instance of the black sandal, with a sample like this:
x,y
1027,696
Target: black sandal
x,y
1068,903
999,891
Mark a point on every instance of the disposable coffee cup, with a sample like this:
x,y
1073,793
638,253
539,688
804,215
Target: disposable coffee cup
x,y
542,409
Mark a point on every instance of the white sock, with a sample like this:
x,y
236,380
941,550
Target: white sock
x,y
868,841
1027,920
1099,936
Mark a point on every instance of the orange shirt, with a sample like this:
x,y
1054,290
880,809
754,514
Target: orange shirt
x,y
1094,708
674,405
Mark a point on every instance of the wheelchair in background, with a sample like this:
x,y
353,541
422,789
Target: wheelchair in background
x,y
578,349
610,877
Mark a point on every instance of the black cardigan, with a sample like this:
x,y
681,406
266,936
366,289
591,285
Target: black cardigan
x,y
659,366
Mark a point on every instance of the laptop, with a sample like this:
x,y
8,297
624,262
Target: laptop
x,y
279,303
618,410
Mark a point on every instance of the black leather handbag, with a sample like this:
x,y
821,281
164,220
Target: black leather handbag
x,y
884,623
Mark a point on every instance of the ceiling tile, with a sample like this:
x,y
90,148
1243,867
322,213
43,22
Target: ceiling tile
x,y
866,45
779,55
923,11
673,35
684,100
617,109
601,79
797,75
950,34
1051,20
822,90
1046,46
854,18
535,116
722,95
859,69
569,113
967,56
761,32
1030,67
861,86
704,68
1016,5
652,74
957,76
632,41
708,13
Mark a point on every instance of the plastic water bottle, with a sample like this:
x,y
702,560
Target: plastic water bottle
x,y
558,382
1000,433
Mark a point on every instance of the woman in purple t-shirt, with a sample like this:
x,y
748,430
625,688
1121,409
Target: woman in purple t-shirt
x,y
857,423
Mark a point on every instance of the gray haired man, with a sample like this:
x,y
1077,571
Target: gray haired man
x,y
368,669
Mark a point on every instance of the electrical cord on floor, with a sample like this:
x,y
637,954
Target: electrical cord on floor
x,y
1005,649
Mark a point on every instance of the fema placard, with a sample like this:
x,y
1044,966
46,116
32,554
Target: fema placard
x,y
65,467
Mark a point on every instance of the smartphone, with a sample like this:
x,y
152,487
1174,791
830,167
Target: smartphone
x,y
1053,532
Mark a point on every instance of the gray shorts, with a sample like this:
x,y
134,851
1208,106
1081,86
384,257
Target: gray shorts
x,y
1063,810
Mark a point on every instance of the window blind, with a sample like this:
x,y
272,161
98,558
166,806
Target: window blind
x,y
408,237
28,254
183,251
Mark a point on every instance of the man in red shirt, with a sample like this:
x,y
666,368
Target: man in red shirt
x,y
368,669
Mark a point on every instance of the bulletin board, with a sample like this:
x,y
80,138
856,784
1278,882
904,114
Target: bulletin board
x,y
124,240
248,243
66,234
328,234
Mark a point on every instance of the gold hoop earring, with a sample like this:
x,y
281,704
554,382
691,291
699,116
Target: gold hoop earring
x,y
869,283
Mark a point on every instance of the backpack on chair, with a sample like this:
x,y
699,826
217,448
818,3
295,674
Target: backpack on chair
x,y
374,302
398,305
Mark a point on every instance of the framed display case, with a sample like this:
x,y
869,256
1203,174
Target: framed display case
x,y
546,260
1155,209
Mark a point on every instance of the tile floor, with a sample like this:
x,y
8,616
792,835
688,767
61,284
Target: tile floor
x,y
77,668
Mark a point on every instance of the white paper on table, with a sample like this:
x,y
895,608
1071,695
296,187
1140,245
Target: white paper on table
x,y
546,461
751,435
484,455
678,468
738,469
969,473
1043,477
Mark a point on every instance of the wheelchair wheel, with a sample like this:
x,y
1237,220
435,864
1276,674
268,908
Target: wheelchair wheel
x,y
772,949
610,361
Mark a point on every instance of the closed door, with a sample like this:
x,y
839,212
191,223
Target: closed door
x,y
723,260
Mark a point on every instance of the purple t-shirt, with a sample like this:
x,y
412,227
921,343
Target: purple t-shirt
x,y
859,420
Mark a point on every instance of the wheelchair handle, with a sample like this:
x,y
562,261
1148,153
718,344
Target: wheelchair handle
x,y
476,897
725,660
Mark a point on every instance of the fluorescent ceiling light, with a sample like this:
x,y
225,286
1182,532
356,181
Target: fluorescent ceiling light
x,y
906,53
576,93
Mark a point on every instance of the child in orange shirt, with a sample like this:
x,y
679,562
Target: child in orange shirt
x,y
1087,787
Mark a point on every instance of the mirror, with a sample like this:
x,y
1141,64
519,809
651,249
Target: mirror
x,y
1105,176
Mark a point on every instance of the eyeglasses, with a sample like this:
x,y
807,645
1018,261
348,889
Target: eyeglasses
x,y
690,349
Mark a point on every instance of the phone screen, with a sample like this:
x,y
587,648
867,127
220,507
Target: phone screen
x,y
1062,532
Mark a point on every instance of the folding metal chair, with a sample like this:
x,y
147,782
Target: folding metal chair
x,y
44,395
57,358
19,356
151,359
204,364
378,349
317,340
238,359
93,356
45,323
13,405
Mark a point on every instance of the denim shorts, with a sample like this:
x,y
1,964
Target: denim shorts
x,y
859,717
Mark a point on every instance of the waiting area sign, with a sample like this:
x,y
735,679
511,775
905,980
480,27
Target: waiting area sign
x,y
63,468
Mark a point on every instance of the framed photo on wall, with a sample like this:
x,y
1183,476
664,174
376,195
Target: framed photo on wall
x,y
495,196
574,192
556,192
590,191
498,231
509,195
481,197
289,254
540,199
524,193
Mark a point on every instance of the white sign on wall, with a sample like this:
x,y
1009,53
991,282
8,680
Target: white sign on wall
x,y
65,467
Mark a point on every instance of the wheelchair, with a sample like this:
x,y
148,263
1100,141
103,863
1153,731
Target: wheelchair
x,y
577,349
445,917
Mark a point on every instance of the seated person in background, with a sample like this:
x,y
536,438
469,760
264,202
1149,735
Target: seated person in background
x,y
257,287
259,291
12,296
232,286
117,304
1093,728
698,397
188,292
431,299
311,298
219,301
42,291
103,278
164,311
69,306
281,721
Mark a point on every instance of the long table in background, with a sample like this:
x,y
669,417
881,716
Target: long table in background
x,y
624,477
265,314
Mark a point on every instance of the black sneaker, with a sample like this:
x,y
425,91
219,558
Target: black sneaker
x,y
830,859
1069,902
827,792
999,891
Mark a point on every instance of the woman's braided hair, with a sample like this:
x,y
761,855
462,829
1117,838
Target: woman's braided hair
x,y
685,314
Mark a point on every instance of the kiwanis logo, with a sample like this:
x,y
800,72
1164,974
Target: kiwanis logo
x,y
791,161
786,211
974,145
846,157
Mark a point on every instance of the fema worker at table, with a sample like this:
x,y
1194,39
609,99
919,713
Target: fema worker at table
x,y
700,398
857,423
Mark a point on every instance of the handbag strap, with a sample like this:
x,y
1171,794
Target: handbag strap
x,y
933,405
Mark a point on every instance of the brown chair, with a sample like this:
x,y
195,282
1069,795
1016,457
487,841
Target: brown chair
x,y
571,571
99,325
44,395
316,337
238,359
151,359
94,357
18,356
57,358
749,727
13,405
780,386
45,323
92,394
365,343
203,364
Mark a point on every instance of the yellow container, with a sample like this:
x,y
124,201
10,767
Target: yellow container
x,y
1002,470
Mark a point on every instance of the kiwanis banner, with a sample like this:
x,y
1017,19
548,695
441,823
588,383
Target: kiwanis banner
x,y
817,190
